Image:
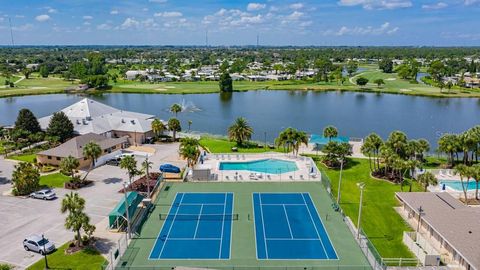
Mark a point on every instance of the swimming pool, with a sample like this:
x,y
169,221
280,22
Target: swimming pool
x,y
271,166
457,184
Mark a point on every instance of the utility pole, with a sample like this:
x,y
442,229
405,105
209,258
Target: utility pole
x,y
11,30
45,253
420,212
148,175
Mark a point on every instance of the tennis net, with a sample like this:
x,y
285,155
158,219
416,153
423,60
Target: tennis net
x,y
218,217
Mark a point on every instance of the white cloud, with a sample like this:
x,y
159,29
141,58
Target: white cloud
x,y
255,6
104,26
42,18
378,4
438,5
295,16
87,17
296,6
383,29
86,23
168,14
114,12
129,23
51,10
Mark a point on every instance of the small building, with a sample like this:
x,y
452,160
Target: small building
x,y
132,74
74,147
450,227
90,116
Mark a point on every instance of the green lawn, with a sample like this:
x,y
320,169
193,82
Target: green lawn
x,y
85,259
218,145
37,86
53,180
380,221
24,157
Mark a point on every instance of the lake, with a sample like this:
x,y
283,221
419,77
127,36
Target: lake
x,y
354,114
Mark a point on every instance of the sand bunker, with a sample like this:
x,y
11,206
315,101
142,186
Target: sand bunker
x,y
390,79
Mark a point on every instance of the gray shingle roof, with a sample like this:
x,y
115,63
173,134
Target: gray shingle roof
x,y
74,147
91,116
457,223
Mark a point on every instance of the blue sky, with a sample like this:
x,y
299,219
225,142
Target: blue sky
x,y
183,22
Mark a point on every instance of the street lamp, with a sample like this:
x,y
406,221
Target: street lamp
x,y
125,185
45,253
148,175
420,212
361,186
340,181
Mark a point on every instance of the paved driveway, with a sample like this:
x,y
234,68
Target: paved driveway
x,y
21,217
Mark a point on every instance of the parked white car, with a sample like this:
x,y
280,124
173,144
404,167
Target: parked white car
x,y
44,194
38,244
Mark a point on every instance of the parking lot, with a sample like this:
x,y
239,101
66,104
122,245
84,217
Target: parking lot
x,y
21,217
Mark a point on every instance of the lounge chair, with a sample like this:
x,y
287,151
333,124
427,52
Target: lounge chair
x,y
449,174
243,157
216,157
268,177
259,175
252,177
301,177
290,177
313,175
228,157
241,177
227,178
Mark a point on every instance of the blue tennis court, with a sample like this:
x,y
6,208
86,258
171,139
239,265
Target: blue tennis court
x,y
288,227
198,226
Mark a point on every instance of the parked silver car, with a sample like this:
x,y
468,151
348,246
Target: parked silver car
x,y
38,244
44,194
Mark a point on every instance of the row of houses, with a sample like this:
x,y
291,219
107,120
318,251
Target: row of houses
x,y
470,80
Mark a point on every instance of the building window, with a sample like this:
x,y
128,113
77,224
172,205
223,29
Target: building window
x,y
114,147
58,158
85,158
49,157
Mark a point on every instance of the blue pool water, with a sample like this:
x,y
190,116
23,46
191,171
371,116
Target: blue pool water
x,y
457,184
318,139
271,166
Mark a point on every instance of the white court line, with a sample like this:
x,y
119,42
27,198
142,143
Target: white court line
x,y
194,204
293,204
263,224
193,239
315,225
288,222
294,239
223,226
171,226
198,222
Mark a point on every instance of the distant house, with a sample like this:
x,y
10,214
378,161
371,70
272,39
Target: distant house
x,y
33,66
90,116
133,74
74,147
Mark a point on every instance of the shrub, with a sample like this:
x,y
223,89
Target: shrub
x,y
25,179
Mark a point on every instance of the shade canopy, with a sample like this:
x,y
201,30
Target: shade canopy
x,y
118,215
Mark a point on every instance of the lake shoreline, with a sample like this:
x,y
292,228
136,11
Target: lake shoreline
x,y
305,89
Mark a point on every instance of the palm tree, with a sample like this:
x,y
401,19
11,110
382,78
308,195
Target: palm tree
x,y
423,147
76,219
130,164
465,172
371,147
476,176
448,144
69,164
175,108
188,150
427,179
91,151
189,125
240,131
158,127
174,126
146,166
330,132
299,138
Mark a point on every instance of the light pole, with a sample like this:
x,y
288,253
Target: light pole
x,y
45,253
125,185
265,134
148,175
361,186
420,212
340,182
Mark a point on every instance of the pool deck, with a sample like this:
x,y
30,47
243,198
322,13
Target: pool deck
x,y
304,165
449,175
